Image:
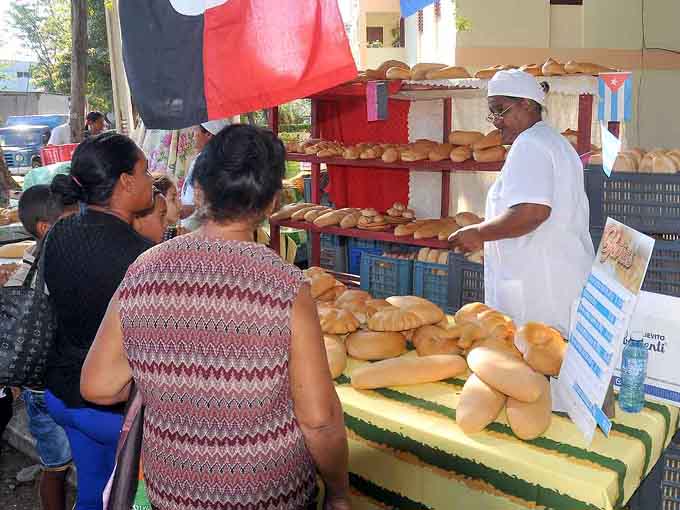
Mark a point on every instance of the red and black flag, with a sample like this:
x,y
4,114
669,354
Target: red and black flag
x,y
189,61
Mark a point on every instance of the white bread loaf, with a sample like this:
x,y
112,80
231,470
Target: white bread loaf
x,y
335,352
530,420
542,347
407,370
465,137
374,346
479,405
507,374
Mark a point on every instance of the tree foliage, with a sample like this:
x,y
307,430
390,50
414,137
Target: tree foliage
x,y
44,28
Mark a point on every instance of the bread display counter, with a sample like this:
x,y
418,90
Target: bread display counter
x,y
458,408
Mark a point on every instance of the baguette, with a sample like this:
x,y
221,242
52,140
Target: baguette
x,y
397,73
532,69
299,215
389,64
490,155
530,420
407,229
374,346
465,219
350,221
312,215
419,71
465,137
411,156
507,374
430,230
329,218
407,370
441,152
492,139
335,352
287,211
448,73
390,155
486,74
447,232
553,68
479,405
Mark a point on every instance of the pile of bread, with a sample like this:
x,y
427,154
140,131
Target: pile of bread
x,y
551,67
441,229
9,216
461,146
396,70
507,368
656,161
367,219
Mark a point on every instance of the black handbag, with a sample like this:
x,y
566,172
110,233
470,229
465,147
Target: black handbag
x,y
28,328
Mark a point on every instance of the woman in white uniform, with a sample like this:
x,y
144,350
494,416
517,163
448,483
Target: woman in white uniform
x,y
537,247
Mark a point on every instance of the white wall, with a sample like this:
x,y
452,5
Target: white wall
x,y
376,56
437,42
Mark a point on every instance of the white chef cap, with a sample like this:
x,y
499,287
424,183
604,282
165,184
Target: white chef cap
x,y
516,83
215,126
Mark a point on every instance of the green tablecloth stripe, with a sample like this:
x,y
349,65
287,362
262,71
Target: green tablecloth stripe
x,y
499,480
382,495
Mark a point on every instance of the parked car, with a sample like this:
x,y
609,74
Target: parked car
x,y
21,146
51,120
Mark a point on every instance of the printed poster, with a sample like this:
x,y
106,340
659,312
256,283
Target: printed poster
x,y
602,318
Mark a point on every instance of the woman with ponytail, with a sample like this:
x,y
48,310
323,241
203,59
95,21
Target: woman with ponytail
x,y
86,257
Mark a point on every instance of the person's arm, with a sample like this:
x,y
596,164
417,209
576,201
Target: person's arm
x,y
517,221
317,407
106,375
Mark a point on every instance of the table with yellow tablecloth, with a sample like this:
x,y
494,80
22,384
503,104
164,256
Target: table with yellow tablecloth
x,y
407,452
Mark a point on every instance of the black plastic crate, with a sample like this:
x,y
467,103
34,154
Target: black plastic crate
x,y
663,273
649,203
466,282
670,481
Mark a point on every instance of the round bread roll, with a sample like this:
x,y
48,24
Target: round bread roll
x,y
374,346
390,155
506,374
369,213
407,370
428,312
321,282
337,357
394,319
542,347
408,214
353,295
336,321
469,312
530,420
461,154
429,340
350,221
479,405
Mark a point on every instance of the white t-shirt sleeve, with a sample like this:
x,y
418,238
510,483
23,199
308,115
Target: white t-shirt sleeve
x,y
528,176
60,135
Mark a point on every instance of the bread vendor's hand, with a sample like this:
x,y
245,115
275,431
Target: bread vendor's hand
x,y
466,240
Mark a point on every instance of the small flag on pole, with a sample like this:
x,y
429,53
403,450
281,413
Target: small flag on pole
x,y
376,100
616,97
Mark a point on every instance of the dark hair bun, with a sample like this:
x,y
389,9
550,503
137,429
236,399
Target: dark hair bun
x,y
240,171
66,187
545,86
98,163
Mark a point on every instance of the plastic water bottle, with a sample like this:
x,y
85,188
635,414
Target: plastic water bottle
x,y
633,374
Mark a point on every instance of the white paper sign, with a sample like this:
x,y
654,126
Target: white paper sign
x,y
658,317
600,324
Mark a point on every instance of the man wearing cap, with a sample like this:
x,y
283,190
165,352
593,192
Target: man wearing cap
x,y
204,133
537,247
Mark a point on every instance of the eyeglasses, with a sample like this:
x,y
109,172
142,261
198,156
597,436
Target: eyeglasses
x,y
494,118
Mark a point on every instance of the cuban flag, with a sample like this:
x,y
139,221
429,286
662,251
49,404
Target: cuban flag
x,y
616,97
409,7
190,61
